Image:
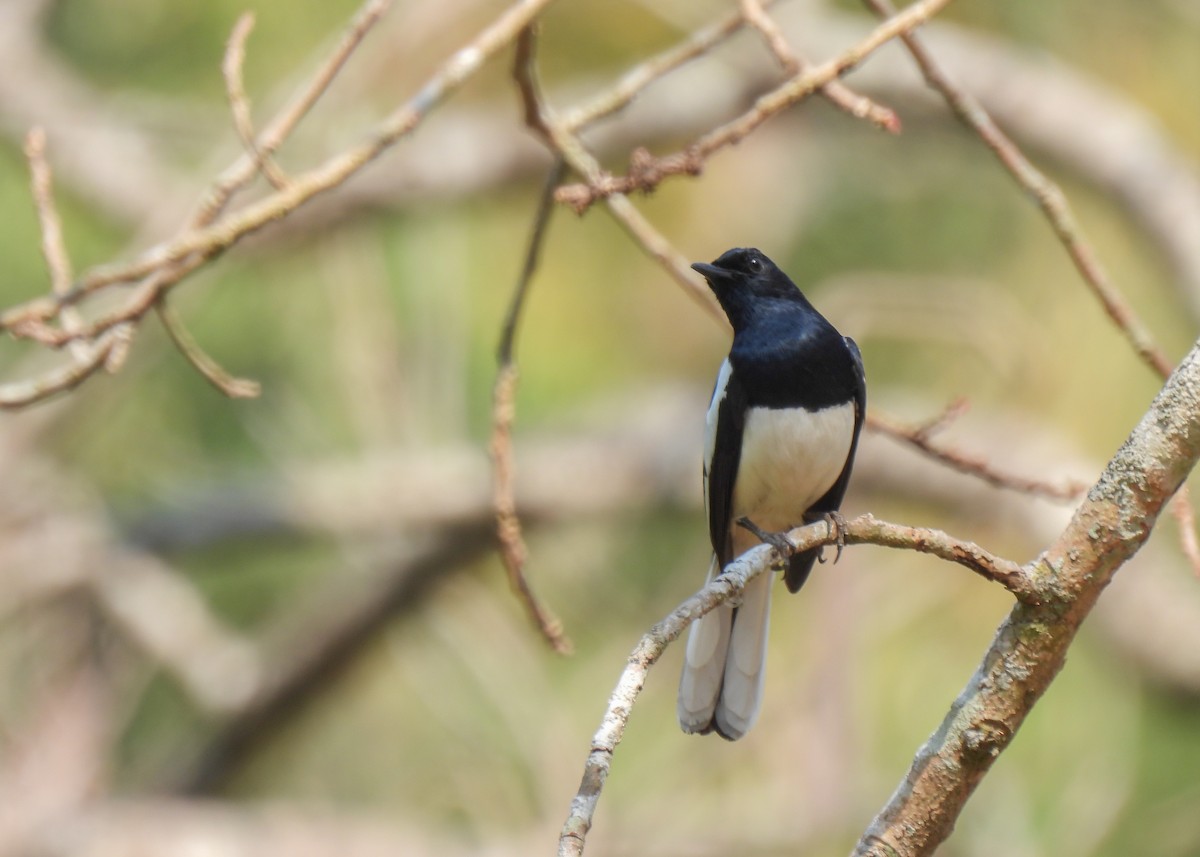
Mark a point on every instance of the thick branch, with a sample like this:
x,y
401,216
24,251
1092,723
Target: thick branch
x,y
1031,645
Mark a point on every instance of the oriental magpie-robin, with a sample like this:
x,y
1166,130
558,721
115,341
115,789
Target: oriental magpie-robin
x,y
780,437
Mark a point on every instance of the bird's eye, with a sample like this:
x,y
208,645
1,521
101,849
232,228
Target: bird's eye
x,y
754,264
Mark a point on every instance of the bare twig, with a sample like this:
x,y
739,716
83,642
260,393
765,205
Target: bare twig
x,y
280,128
838,94
954,409
866,530
556,135
1057,209
239,104
641,76
729,584
1045,192
234,388
513,552
656,245
646,172
54,249
1185,517
922,438
163,266
106,352
645,654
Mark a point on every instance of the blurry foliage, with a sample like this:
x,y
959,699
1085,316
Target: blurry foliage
x,y
457,716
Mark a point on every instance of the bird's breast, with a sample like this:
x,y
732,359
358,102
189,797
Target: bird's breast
x,y
790,458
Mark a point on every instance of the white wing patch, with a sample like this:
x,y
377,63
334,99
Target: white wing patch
x,y
745,664
710,419
710,423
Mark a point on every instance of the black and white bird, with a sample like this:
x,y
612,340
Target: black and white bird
x,y
781,433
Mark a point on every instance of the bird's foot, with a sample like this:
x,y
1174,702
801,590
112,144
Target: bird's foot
x,y
838,525
779,541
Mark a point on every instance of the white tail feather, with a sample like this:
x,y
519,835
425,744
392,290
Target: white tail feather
x,y
741,693
723,671
703,666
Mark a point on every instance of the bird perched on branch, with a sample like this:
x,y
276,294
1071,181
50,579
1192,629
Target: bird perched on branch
x,y
781,433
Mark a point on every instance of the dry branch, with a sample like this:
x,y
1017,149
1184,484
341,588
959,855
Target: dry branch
x,y
922,438
239,103
559,137
730,584
837,93
1030,647
647,172
1058,212
213,230
234,388
1046,193
513,552
1055,593
54,248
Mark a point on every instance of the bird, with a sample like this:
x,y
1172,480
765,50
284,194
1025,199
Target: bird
x,y
781,432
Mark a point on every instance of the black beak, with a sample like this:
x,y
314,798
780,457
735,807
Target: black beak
x,y
712,273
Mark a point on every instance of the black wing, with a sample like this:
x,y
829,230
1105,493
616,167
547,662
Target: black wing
x,y
801,564
720,471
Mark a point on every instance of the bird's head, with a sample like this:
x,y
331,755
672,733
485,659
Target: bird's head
x,y
746,282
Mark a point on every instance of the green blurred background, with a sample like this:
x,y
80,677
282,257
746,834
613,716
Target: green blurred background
x,y
372,322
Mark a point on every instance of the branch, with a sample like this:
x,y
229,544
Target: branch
x,y
212,231
54,249
921,437
1185,517
867,530
1031,645
239,104
234,388
730,584
646,173
566,144
1046,193
513,552
107,352
836,92
242,171
645,654
638,78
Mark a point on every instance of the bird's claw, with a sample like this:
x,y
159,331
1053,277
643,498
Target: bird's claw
x,y
779,541
838,525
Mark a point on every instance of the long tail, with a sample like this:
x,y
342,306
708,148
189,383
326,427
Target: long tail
x,y
723,670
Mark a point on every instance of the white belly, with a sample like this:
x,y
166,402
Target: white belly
x,y
790,458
